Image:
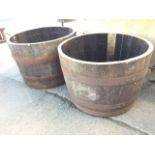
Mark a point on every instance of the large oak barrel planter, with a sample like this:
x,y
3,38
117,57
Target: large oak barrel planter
x,y
104,72
35,52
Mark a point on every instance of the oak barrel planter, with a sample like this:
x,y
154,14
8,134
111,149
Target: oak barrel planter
x,y
35,52
104,72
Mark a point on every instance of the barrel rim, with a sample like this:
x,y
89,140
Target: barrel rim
x,y
48,41
146,53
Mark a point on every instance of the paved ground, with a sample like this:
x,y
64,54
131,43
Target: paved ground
x,y
29,111
24,110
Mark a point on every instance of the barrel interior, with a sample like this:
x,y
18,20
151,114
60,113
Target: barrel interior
x,y
40,35
104,47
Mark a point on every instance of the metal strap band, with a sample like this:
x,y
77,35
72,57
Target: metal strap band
x,y
102,81
43,77
101,107
35,60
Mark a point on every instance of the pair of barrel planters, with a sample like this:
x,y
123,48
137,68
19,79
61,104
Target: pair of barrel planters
x,y
103,71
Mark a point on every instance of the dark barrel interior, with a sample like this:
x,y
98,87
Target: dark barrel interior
x,y
40,34
94,47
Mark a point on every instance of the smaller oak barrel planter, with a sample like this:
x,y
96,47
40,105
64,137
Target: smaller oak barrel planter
x,y
104,72
35,52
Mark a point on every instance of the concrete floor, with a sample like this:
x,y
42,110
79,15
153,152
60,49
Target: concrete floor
x,y
29,111
24,110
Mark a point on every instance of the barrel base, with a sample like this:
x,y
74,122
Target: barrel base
x,y
104,113
41,85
